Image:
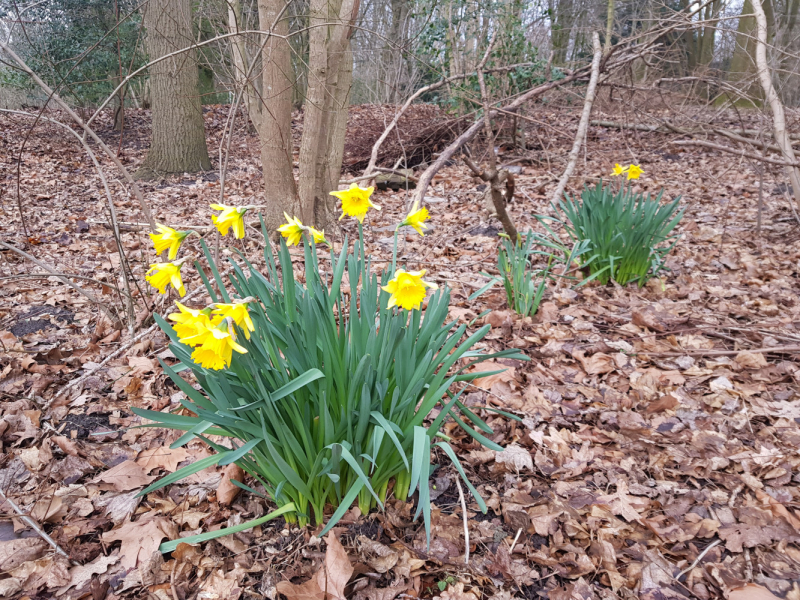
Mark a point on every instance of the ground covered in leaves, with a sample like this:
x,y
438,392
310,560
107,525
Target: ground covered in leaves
x,y
656,455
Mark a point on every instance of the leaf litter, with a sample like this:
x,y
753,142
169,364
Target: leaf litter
x,y
656,455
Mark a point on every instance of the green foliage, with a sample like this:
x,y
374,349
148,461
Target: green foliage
x,y
628,235
73,46
524,284
329,403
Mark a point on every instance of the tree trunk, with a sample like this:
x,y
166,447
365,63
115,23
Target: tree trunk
x,y
562,17
275,123
328,89
743,61
178,142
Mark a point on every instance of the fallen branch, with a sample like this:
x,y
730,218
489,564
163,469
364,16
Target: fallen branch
x,y
712,352
583,124
729,150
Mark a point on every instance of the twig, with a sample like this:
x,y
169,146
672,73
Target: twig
x,y
698,559
114,354
514,543
32,524
466,525
91,297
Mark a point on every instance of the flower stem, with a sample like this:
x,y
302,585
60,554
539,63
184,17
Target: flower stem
x,y
394,253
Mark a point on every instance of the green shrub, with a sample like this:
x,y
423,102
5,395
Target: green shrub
x,y
330,401
627,235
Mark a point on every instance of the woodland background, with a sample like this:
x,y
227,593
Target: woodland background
x,y
657,453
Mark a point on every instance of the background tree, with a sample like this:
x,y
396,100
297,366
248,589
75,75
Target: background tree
x,y
178,142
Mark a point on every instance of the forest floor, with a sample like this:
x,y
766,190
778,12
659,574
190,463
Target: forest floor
x,y
657,453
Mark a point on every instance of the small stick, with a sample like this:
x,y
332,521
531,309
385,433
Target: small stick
x,y
32,524
514,543
466,527
698,559
701,352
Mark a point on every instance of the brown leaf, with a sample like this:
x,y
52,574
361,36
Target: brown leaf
x,y
67,445
227,491
15,552
127,475
381,558
666,402
141,538
751,591
751,360
165,458
329,582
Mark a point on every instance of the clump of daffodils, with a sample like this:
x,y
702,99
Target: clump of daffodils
x,y
632,171
210,331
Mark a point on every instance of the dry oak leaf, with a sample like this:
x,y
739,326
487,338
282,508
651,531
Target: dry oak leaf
x,y
751,360
141,538
82,574
596,364
126,476
50,571
456,592
165,457
623,504
381,558
15,552
517,457
329,582
68,446
223,586
505,376
227,490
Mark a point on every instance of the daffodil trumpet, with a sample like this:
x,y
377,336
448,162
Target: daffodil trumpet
x,y
161,275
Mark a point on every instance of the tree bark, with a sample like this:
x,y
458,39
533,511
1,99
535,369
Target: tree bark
x,y
771,96
275,122
329,80
178,142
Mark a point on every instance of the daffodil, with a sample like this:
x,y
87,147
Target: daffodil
x,y
238,313
160,275
190,322
168,239
634,171
319,236
618,170
416,218
217,346
408,289
292,230
231,216
356,202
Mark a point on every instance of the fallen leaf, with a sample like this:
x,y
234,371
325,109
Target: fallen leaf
x,y
751,360
332,577
15,552
515,456
751,591
165,458
127,475
82,574
141,538
227,491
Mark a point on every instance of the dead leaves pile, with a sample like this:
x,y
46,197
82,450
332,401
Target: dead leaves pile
x,y
655,456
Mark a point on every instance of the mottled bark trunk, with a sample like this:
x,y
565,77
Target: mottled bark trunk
x,y
275,121
743,61
328,45
178,142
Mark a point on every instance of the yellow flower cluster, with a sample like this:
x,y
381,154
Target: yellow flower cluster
x,y
293,231
632,171
210,331
231,217
356,202
408,289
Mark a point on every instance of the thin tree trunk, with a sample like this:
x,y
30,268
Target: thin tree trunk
x,y
178,138
771,96
584,122
275,126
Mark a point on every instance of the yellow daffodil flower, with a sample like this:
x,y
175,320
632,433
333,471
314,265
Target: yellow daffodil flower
x,y
292,230
190,322
160,275
231,216
356,202
408,289
168,239
238,313
634,171
319,236
416,218
618,170
216,350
